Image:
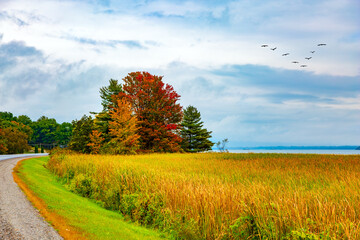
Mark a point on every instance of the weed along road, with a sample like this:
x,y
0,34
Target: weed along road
x,y
18,218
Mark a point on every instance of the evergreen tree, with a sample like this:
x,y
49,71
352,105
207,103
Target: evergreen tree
x,y
195,137
102,119
81,132
107,93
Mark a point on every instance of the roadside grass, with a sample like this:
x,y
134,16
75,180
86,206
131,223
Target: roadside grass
x,y
73,216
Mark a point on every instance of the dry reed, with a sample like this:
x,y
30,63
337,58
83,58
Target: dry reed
x,y
225,196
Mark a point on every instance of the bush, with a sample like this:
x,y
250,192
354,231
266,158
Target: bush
x,y
82,185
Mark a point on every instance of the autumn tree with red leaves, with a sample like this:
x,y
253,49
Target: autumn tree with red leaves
x,y
158,113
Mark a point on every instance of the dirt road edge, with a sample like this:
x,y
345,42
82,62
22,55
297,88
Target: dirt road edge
x,y
58,222
23,221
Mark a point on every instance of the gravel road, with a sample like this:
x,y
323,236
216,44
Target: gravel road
x,y
18,219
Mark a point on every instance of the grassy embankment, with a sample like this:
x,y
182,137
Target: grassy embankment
x,y
73,216
224,196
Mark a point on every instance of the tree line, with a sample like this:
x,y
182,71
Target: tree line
x,y
16,132
141,114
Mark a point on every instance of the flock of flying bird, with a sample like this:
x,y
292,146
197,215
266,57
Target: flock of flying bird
x,y
296,62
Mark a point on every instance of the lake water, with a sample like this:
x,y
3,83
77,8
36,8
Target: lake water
x,y
316,151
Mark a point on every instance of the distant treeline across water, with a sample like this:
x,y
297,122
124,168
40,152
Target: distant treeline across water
x,y
307,151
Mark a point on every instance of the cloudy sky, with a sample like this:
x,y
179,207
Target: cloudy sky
x,y
55,55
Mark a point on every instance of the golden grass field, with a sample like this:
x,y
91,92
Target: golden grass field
x,y
224,196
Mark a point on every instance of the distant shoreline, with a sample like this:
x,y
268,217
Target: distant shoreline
x,y
298,151
355,147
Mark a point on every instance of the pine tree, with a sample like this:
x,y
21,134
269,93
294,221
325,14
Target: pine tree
x,y
81,132
102,118
195,137
107,93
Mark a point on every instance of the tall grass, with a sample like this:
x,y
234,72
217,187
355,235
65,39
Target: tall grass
x,y
224,196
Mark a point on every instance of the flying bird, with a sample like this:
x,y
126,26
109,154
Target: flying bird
x,y
264,45
321,44
273,48
308,58
295,62
303,65
312,51
285,54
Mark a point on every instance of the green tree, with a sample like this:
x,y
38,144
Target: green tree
x,y
63,133
44,130
8,116
195,137
24,120
102,119
107,93
81,134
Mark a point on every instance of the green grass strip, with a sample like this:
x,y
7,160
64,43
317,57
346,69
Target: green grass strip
x,y
80,213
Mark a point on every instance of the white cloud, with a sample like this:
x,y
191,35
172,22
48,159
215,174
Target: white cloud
x,y
209,52
51,31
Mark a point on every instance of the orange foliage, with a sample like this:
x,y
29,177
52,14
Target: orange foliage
x,y
16,141
22,128
123,127
95,141
3,148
